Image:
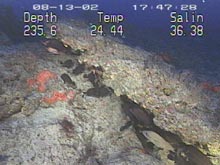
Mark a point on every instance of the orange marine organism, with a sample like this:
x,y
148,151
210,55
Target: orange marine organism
x,y
208,86
41,79
59,96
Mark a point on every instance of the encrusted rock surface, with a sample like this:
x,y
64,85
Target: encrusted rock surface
x,y
177,101
85,130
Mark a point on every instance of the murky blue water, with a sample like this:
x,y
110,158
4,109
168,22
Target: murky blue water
x,y
150,29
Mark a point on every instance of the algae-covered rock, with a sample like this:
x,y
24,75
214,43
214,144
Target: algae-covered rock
x,y
214,151
10,107
175,99
168,91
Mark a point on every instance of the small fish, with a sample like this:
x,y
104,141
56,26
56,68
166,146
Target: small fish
x,y
79,69
68,64
98,92
52,50
67,80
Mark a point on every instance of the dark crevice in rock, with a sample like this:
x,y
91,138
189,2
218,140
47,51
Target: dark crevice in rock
x,y
136,114
141,120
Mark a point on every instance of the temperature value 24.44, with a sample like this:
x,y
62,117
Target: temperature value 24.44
x,y
99,30
179,30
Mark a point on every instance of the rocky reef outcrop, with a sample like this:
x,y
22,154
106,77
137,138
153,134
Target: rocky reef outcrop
x,y
177,101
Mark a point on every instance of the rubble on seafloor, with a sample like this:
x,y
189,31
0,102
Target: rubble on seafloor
x,y
93,100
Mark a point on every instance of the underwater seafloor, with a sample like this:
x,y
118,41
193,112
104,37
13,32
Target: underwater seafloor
x,y
77,99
